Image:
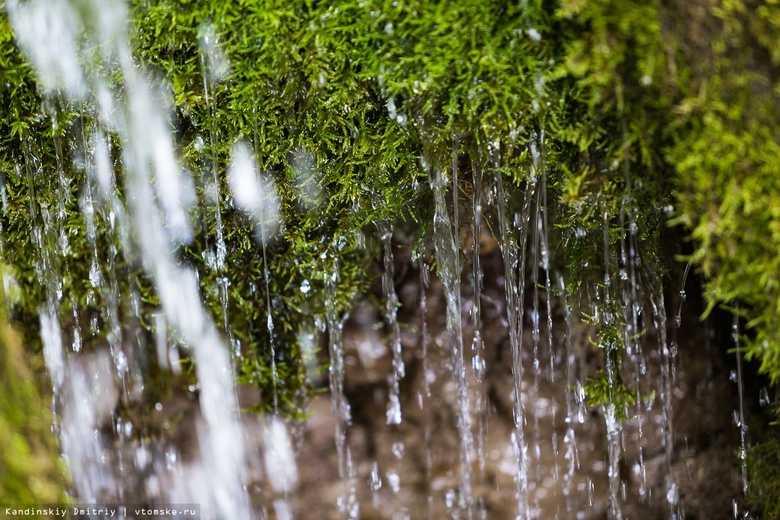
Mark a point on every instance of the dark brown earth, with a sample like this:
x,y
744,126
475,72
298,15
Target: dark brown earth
x,y
417,461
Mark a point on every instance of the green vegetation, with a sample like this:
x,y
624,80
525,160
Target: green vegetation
x,y
634,116
29,471
764,466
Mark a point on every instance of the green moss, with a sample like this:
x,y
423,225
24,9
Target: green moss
x,y
368,96
606,387
727,164
764,467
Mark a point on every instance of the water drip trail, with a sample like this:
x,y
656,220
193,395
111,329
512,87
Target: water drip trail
x,y
536,318
208,92
424,397
347,501
540,404
574,405
544,232
678,321
514,263
447,251
210,74
88,209
612,369
263,214
63,186
659,318
614,431
394,414
114,220
632,308
269,320
258,198
424,283
477,345
742,426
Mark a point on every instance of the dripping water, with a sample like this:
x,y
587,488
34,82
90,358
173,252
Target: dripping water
x,y
347,501
514,264
574,403
257,197
741,418
659,318
394,413
447,251
477,346
147,142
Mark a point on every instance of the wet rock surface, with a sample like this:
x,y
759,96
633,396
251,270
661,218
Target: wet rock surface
x,y
412,470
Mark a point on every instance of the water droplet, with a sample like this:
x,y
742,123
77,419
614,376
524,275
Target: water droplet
x,y
672,495
763,397
375,479
398,450
450,498
120,360
395,481
394,410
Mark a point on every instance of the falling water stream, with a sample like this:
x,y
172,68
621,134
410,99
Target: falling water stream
x,y
482,373
447,254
